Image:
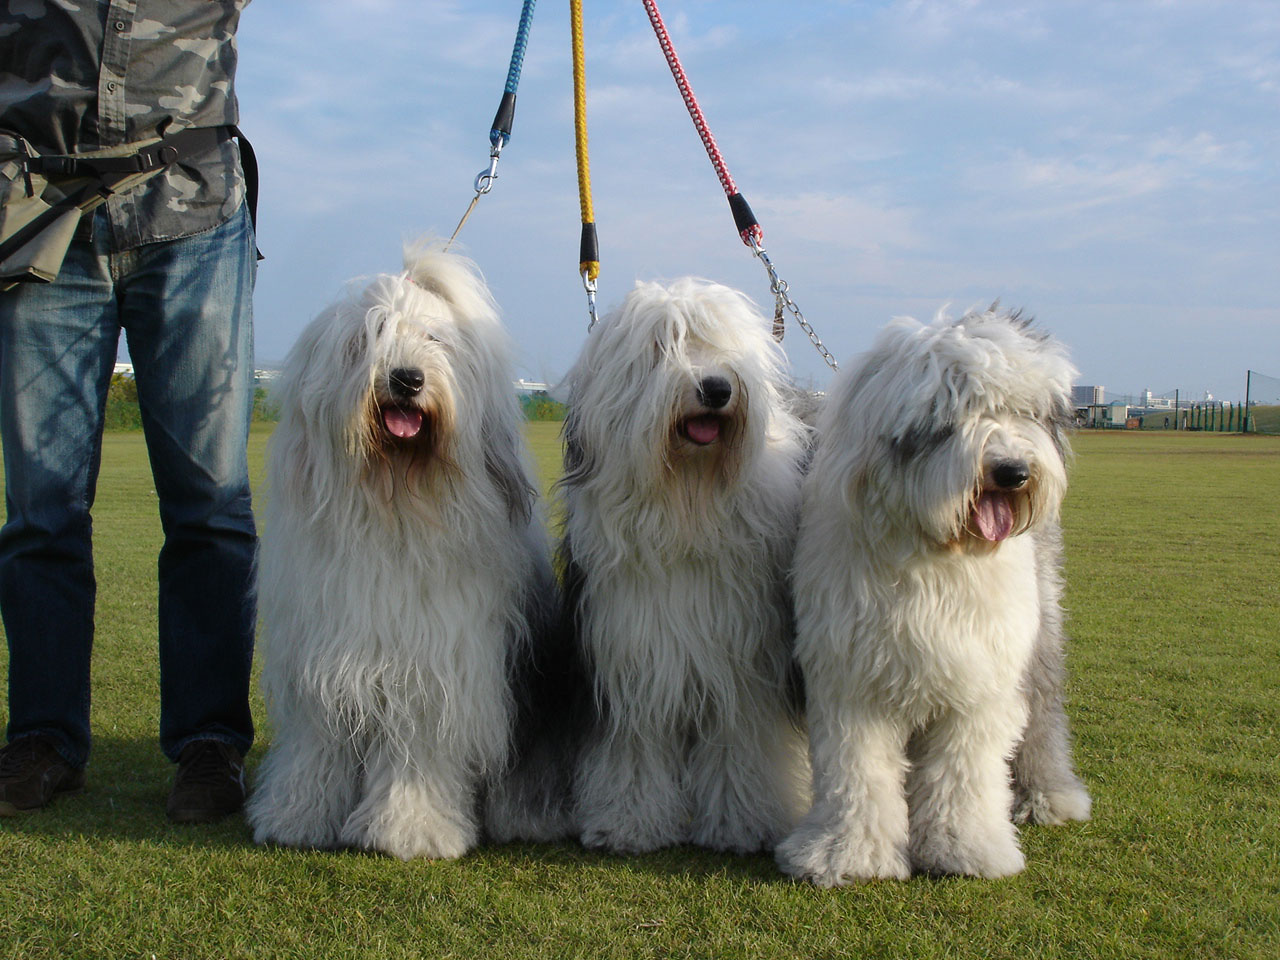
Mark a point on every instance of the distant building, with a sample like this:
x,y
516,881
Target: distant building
x,y
1151,402
1088,396
1107,416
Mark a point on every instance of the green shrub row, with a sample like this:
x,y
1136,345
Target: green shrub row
x,y
123,413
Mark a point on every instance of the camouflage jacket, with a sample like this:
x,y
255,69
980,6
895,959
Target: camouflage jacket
x,y
80,76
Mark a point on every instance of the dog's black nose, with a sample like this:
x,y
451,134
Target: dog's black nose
x,y
714,392
1011,474
407,381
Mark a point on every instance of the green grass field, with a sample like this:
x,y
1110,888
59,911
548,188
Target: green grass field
x,y
1174,602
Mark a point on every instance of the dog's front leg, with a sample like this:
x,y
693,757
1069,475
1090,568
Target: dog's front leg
x,y
628,792
419,801
857,828
307,782
748,777
959,792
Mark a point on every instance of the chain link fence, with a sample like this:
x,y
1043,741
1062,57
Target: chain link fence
x,y
1263,403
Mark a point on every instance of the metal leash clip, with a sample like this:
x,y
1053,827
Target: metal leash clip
x,y
485,178
590,286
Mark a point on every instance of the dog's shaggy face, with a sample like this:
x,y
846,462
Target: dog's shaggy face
x,y
957,429
409,409
403,383
673,392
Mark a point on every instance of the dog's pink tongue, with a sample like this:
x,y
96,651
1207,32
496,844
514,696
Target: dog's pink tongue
x,y
402,422
994,516
702,429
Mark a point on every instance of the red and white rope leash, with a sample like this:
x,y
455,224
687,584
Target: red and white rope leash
x,y
748,227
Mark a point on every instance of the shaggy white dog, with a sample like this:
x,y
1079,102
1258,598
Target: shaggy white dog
x,y
681,488
403,574
927,589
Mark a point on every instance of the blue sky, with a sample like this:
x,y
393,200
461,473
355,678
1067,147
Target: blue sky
x,y
1109,167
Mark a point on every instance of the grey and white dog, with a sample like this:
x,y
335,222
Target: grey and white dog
x,y
405,578
927,586
681,488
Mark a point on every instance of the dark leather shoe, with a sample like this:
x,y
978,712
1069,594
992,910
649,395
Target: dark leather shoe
x,y
32,773
209,784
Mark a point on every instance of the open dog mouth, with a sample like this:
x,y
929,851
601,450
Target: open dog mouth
x,y
702,430
993,515
405,423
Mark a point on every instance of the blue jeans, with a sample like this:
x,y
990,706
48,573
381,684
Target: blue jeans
x,y
186,309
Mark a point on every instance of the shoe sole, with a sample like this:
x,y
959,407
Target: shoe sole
x,y
199,816
8,809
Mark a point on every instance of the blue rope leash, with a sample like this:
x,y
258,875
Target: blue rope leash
x,y
500,133
507,108
522,41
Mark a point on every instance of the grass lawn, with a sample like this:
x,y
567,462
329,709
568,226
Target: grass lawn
x,y
1174,599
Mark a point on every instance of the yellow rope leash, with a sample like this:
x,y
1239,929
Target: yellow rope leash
x,y
580,116
588,253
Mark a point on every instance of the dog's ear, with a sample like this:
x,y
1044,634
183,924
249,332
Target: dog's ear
x,y
504,467
573,598
359,340
578,464
1059,424
510,479
355,349
919,440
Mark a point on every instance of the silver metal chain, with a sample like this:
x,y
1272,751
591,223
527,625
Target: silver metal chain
x,y
783,301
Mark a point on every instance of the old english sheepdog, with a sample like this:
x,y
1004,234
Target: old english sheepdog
x,y
681,489
404,576
927,601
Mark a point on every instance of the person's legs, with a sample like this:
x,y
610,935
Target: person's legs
x,y
187,312
57,352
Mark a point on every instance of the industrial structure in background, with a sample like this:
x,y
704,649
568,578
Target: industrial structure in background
x,y
1173,410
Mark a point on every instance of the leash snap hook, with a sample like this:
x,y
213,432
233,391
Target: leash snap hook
x,y
589,285
485,178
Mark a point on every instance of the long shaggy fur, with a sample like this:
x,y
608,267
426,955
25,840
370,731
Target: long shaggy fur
x,y
927,594
681,489
403,573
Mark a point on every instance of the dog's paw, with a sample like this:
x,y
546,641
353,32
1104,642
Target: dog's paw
x,y
285,825
426,846
618,841
831,858
992,857
529,820
1051,807
738,831
301,836
407,830
630,838
410,838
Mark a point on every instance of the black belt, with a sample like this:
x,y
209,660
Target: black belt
x,y
172,148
